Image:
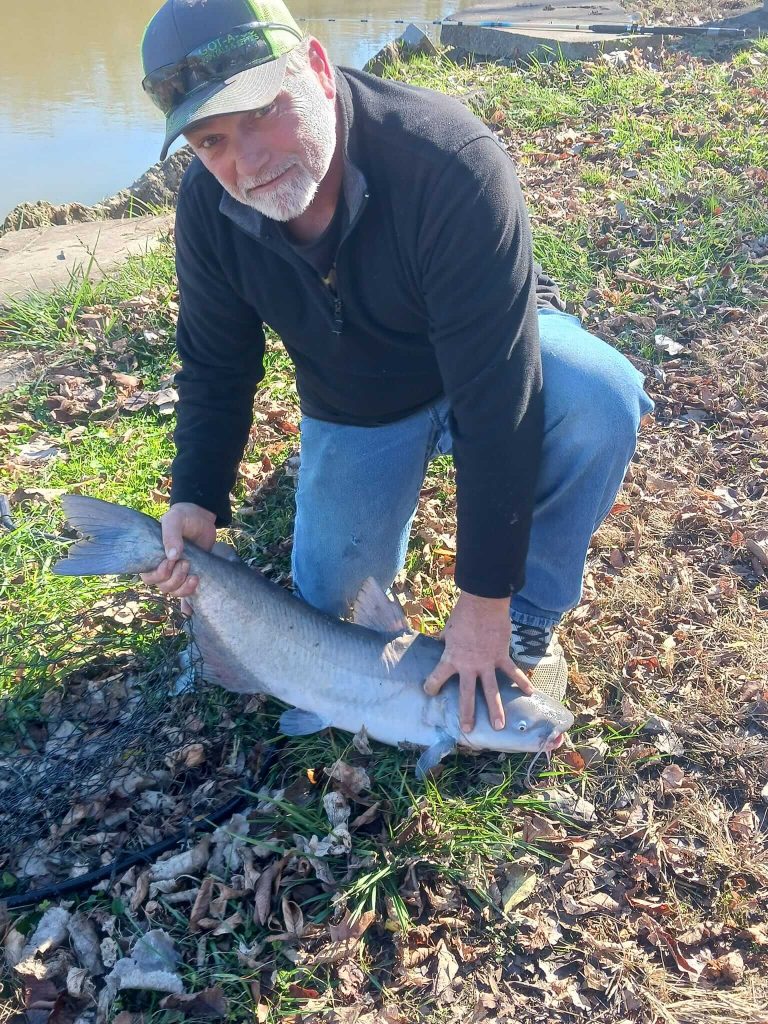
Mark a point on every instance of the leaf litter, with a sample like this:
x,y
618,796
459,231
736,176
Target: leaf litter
x,y
632,881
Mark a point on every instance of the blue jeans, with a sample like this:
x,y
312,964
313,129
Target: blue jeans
x,y
359,486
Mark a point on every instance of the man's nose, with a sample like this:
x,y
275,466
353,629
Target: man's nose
x,y
251,155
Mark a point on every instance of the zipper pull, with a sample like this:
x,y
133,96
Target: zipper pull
x,y
338,316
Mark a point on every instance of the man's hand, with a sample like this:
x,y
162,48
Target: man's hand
x,y
181,522
477,636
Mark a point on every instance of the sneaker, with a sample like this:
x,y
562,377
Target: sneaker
x,y
537,651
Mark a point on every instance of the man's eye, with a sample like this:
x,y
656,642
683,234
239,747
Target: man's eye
x,y
208,142
265,111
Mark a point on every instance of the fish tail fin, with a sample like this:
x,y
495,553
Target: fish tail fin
x,y
115,539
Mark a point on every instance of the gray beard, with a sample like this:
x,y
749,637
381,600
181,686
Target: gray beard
x,y
285,200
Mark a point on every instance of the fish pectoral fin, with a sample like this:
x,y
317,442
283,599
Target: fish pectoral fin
x,y
295,722
433,755
373,609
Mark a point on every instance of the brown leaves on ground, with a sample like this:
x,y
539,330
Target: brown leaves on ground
x,y
640,893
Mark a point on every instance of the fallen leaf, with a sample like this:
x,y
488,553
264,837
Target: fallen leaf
x,y
744,823
187,863
366,817
125,380
352,780
337,808
665,941
208,1004
725,970
50,933
360,741
155,950
573,759
201,904
445,974
349,928
672,778
262,899
520,883
666,344
85,943
39,450
293,918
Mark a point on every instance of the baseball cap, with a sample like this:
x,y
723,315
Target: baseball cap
x,y
208,57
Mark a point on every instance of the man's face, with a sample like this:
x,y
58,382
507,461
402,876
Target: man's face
x,y
273,159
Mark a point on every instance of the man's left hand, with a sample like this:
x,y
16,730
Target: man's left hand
x,y
477,636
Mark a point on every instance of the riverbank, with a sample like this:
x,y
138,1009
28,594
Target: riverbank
x,y
155,191
630,883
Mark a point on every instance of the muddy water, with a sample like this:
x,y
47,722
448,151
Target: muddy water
x,y
74,122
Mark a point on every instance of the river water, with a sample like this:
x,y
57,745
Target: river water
x,y
75,124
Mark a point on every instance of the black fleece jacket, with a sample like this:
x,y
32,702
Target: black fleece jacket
x,y
436,294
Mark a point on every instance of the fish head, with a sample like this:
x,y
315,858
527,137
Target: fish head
x,y
534,722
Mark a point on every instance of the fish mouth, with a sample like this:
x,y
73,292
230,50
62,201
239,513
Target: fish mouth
x,y
554,741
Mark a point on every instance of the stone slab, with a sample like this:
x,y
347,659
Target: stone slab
x,y
40,259
543,44
537,29
527,13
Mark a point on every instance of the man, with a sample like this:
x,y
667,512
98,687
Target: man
x,y
380,230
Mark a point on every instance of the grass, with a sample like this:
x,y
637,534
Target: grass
x,y
671,625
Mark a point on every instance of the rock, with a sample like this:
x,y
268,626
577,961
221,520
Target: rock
x,y
411,42
41,214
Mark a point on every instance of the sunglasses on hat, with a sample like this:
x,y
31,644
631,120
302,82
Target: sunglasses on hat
x,y
239,49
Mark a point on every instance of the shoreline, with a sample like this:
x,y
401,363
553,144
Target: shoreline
x,y
152,193
155,191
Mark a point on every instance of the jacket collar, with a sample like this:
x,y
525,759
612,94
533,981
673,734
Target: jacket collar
x,y
354,184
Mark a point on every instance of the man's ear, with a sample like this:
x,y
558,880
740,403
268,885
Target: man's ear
x,y
321,65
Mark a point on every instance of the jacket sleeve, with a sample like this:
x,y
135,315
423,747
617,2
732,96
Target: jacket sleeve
x,y
480,288
220,341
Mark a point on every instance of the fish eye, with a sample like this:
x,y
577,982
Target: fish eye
x,y
522,726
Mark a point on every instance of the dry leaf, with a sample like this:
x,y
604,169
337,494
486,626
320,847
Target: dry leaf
x,y
726,970
337,808
209,1004
664,940
51,931
352,780
85,943
445,973
293,919
348,928
187,863
665,344
519,885
140,892
262,899
360,741
201,904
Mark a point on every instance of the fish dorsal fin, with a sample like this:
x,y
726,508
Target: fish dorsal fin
x,y
373,609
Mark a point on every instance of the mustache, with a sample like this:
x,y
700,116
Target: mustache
x,y
245,184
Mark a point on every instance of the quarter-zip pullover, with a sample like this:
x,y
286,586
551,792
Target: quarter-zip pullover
x,y
433,291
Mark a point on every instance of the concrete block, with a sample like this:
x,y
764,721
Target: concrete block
x,y
542,44
39,259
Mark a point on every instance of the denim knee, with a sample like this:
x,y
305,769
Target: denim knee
x,y
605,406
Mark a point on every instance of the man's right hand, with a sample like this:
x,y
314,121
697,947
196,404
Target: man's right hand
x,y
181,522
